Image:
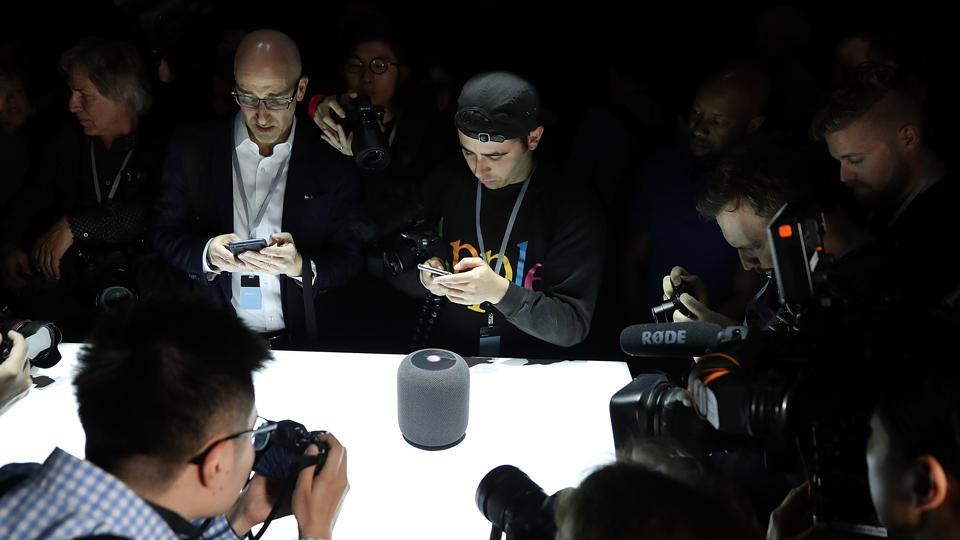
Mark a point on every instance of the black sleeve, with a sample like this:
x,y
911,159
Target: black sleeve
x,y
178,232
340,256
561,311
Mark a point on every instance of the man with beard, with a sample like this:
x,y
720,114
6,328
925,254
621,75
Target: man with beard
x,y
875,128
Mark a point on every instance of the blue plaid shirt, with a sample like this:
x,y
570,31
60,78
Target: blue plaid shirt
x,y
68,497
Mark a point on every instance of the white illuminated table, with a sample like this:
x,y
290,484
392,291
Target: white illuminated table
x,y
552,421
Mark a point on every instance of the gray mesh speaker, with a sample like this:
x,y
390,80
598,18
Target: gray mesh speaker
x,y
433,398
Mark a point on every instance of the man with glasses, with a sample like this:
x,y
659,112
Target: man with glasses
x,y
259,177
171,434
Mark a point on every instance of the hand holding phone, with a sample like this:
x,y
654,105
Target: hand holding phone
x,y
432,270
240,246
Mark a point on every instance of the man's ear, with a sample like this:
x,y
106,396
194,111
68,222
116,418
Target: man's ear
x,y
755,123
908,138
533,138
930,483
302,87
215,464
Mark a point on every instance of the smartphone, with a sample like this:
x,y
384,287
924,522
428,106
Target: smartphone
x,y
255,244
432,270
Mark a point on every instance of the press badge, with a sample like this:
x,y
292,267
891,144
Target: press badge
x,y
489,337
250,295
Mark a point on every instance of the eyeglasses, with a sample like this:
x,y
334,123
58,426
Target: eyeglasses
x,y
377,65
253,102
259,435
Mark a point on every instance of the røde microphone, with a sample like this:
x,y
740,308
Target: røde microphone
x,y
678,339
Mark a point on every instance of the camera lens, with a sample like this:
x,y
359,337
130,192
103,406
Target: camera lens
x,y
663,313
510,500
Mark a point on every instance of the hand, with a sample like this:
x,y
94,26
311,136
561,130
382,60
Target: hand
x,y
317,498
696,304
426,278
221,258
691,282
49,248
13,263
793,519
254,506
14,371
475,283
280,257
333,132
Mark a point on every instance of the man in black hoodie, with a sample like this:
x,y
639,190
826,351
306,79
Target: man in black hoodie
x,y
525,248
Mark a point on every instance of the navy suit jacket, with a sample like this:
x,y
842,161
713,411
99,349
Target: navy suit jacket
x,y
196,204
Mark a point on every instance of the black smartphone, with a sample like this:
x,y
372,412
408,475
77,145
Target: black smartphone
x,y
255,244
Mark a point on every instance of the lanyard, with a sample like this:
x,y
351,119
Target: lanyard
x,y
96,177
251,226
510,223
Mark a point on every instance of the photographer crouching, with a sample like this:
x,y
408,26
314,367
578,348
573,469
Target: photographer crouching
x,y
172,434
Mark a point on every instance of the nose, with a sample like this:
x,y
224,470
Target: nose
x,y
263,115
846,175
482,167
73,105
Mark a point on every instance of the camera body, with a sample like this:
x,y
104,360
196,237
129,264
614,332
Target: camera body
x,y
370,147
109,274
413,246
663,313
283,459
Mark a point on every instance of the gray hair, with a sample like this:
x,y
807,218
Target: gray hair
x,y
114,67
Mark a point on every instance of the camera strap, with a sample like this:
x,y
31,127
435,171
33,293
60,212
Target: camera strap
x,y
96,177
510,222
252,225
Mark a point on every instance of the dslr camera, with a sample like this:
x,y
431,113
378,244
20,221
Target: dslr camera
x,y
415,245
371,150
516,505
282,459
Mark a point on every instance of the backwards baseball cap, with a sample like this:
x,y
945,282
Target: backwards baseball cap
x,y
497,106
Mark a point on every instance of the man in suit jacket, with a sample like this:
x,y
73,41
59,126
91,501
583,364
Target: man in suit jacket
x,y
258,176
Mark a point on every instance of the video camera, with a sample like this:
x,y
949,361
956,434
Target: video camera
x,y
783,389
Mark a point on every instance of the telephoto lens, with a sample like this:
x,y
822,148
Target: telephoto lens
x,y
513,503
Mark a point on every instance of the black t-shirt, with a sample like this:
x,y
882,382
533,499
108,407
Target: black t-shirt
x,y
553,260
922,243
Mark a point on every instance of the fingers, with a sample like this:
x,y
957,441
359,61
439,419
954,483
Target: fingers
x,y
468,263
16,362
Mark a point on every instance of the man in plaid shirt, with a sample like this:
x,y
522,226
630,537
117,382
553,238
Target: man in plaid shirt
x,y
171,432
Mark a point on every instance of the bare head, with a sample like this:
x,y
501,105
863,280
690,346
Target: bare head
x,y
267,66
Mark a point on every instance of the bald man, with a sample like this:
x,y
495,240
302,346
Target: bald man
x,y
256,177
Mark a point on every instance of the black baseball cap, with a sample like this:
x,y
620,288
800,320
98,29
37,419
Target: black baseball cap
x,y
497,106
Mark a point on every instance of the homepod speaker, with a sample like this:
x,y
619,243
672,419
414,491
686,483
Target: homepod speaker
x,y
433,398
